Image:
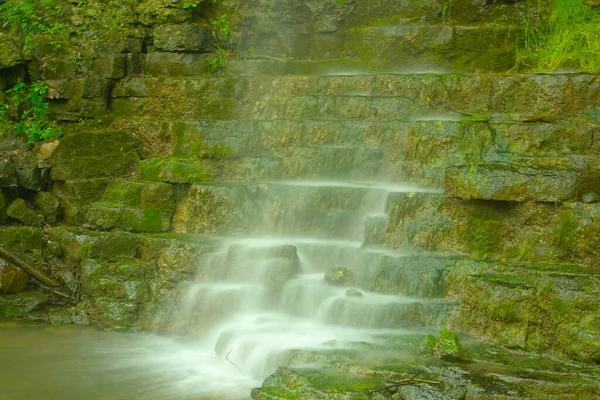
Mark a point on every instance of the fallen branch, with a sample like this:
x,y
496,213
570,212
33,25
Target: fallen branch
x,y
29,268
232,363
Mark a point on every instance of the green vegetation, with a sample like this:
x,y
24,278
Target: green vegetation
x,y
560,34
221,31
483,235
565,231
27,113
31,18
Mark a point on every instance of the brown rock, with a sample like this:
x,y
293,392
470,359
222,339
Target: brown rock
x,y
12,278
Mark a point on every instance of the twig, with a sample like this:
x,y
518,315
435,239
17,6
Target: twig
x,y
232,363
397,384
57,292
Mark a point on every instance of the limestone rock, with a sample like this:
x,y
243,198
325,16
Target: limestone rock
x,y
20,211
185,38
12,278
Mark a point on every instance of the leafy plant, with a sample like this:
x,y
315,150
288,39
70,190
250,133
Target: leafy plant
x,y
31,18
29,109
222,34
187,5
560,34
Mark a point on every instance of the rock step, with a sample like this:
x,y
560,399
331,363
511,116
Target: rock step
x,y
518,97
431,47
533,305
260,137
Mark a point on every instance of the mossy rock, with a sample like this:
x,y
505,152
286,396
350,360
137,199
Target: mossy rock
x,y
25,214
176,170
141,219
183,38
340,276
82,155
25,304
8,174
114,314
49,206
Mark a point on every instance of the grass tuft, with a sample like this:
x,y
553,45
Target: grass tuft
x,y
560,35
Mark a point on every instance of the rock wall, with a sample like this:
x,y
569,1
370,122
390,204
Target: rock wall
x,y
156,149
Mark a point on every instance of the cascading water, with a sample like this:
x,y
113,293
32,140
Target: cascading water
x,y
258,299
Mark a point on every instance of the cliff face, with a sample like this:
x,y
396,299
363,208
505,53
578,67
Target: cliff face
x,y
172,125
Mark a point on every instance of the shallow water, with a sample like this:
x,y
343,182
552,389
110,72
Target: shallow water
x,y
75,363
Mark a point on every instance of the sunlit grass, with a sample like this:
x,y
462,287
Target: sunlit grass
x,y
559,35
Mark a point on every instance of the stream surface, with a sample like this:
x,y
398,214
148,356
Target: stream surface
x,y
39,361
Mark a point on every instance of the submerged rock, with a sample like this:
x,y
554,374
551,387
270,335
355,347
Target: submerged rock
x,y
340,276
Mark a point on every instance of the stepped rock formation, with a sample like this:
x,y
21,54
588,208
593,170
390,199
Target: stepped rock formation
x,y
378,139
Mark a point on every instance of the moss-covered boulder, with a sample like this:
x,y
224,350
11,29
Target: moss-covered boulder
x,y
26,304
340,276
24,213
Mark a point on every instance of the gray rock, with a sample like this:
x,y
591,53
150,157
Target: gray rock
x,y
28,174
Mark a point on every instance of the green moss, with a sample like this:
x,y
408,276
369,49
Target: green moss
x,y
483,236
176,170
339,381
566,232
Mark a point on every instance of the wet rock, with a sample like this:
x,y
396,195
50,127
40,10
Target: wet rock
x,y
60,316
12,278
353,293
133,206
8,174
48,206
185,38
340,276
176,170
22,212
113,314
23,304
446,346
511,183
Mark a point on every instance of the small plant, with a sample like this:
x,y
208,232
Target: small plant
x,y
189,5
222,34
29,111
446,8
